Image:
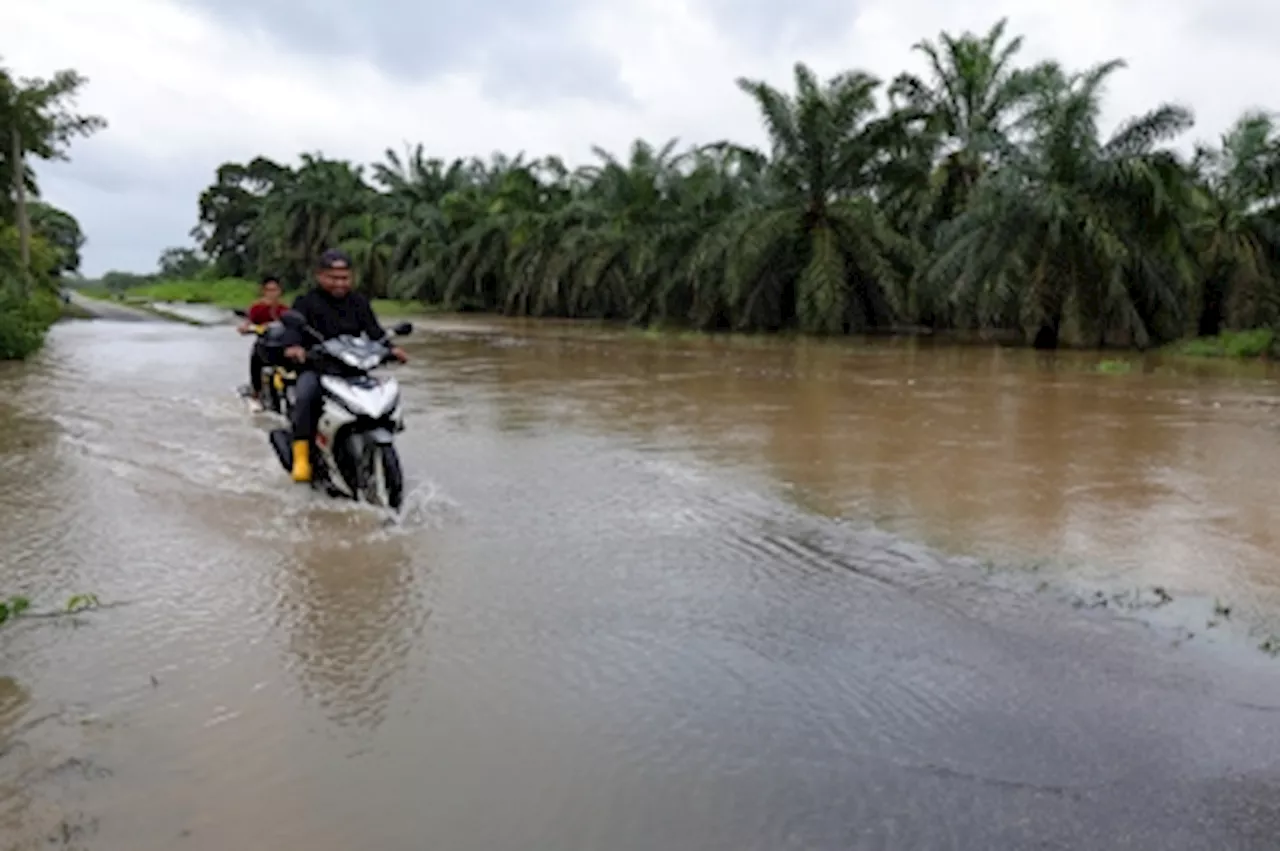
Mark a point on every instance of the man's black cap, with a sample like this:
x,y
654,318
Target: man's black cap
x,y
334,258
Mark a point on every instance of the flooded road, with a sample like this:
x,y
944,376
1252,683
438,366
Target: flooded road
x,y
646,594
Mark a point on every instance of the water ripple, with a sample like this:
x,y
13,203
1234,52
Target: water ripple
x,y
635,600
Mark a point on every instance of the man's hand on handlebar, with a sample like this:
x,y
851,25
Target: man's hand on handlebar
x,y
398,354
296,353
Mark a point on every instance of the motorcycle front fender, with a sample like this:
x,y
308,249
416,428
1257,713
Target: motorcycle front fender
x,y
380,436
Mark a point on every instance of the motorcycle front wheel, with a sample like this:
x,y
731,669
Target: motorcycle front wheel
x,y
383,480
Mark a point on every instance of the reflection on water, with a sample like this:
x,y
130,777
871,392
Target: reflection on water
x,y
350,622
1164,476
648,594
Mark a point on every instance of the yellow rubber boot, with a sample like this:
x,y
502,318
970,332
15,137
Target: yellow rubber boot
x,y
301,461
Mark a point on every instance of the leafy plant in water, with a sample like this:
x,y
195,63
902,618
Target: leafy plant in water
x,y
1114,367
15,605
82,602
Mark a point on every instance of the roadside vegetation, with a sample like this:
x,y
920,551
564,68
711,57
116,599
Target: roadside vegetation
x,y
1258,342
228,293
39,244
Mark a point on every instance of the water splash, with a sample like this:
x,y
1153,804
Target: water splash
x,y
309,515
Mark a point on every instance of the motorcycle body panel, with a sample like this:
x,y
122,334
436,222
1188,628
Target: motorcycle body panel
x,y
353,411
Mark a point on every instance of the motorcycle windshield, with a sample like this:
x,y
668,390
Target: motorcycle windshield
x,y
357,352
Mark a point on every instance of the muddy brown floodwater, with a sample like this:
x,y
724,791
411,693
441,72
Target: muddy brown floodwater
x,y
647,594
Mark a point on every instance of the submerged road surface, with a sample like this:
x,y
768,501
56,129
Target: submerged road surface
x,y
611,618
103,309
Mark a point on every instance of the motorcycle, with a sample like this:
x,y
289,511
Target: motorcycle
x,y
277,381
353,455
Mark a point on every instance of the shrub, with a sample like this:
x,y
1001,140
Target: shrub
x,y
24,322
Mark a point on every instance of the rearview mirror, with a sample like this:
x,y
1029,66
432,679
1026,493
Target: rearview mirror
x,y
242,314
402,329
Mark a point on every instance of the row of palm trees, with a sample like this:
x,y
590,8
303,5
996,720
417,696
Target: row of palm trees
x,y
984,196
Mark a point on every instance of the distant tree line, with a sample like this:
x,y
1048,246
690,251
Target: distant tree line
x,y
982,197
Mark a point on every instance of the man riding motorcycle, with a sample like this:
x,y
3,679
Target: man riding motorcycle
x,y
264,311
331,309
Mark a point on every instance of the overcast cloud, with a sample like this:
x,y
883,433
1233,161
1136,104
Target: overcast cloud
x,y
189,84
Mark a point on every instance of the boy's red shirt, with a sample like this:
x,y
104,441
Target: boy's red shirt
x,y
261,313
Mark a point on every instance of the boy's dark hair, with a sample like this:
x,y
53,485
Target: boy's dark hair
x,y
269,279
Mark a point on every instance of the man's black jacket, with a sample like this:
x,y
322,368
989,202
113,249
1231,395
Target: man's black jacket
x,y
333,317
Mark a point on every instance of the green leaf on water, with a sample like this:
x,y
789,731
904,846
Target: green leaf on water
x,y
1114,367
13,607
81,602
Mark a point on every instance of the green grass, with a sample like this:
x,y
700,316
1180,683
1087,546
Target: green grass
x,y
1228,344
231,293
228,292
1114,367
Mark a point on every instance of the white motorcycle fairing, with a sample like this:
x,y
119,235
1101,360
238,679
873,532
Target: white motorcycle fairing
x,y
370,398
345,402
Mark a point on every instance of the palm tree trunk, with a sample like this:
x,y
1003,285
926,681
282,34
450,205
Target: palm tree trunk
x,y
1052,304
1046,338
24,224
1049,333
1209,322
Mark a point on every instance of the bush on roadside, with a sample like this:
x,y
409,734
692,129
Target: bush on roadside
x,y
24,321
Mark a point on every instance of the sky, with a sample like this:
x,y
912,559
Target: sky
x,y
189,84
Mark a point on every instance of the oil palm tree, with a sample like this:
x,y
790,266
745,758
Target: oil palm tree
x,y
1238,226
813,250
973,100
1073,222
